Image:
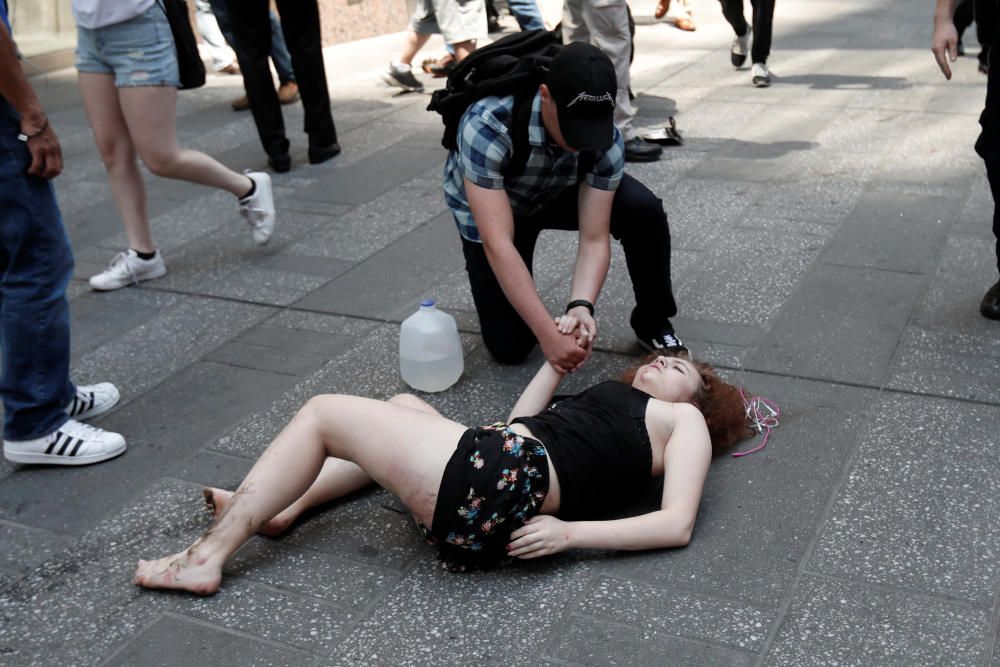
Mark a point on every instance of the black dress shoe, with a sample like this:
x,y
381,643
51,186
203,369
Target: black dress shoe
x,y
280,163
638,149
319,154
990,305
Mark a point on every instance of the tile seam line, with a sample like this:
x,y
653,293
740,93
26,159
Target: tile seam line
x,y
906,590
824,515
567,617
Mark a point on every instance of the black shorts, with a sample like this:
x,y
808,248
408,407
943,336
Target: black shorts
x,y
494,482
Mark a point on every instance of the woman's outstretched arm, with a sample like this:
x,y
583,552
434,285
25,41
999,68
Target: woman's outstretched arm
x,y
538,394
686,459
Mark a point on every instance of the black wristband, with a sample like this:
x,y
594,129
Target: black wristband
x,y
580,302
21,136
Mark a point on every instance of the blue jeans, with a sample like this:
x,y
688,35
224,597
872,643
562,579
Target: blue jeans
x,y
36,264
527,14
279,50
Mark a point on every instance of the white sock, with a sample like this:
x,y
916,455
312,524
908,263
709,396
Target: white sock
x,y
400,67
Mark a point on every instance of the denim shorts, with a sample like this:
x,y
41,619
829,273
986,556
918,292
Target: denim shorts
x,y
456,20
139,52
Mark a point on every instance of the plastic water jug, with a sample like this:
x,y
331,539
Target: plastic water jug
x,y
430,351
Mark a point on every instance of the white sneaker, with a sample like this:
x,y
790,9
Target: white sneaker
x,y
760,75
258,208
92,400
127,268
72,444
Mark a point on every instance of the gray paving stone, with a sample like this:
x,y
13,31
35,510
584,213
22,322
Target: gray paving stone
x,y
590,641
440,618
183,331
379,173
826,201
97,321
306,623
908,236
833,621
394,280
313,573
815,334
941,364
951,303
160,433
758,513
267,358
672,612
916,510
697,210
173,640
24,547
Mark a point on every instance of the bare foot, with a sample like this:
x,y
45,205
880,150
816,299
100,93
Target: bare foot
x,y
216,500
186,571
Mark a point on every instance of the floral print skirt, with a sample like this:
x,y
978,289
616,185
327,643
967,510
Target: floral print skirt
x,y
494,482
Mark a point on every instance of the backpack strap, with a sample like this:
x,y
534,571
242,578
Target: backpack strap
x,y
519,132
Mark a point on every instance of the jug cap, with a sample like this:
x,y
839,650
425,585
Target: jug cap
x,y
427,303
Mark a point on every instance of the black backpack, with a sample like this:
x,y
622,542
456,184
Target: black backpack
x,y
514,65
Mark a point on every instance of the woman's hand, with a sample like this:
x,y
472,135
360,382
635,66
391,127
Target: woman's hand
x,y
541,535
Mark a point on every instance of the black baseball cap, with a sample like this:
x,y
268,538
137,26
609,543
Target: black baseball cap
x,y
583,85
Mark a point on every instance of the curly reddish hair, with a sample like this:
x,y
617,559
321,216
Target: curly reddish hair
x,y
719,402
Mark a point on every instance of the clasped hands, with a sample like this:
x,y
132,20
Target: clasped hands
x,y
573,342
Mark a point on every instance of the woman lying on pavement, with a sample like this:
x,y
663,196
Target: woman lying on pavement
x,y
492,492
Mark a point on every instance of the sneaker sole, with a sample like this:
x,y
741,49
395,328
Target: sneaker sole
x,y
649,348
761,83
53,459
396,84
153,276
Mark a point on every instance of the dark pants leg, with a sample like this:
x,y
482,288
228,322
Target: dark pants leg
x,y
252,31
763,21
732,10
964,16
988,144
300,23
36,264
638,222
279,51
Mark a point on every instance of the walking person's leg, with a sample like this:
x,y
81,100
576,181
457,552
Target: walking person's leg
x,y
212,36
280,56
403,450
252,30
300,24
988,148
527,14
763,24
732,11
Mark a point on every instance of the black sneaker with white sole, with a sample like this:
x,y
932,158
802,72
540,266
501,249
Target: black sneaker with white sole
x,y
666,342
402,79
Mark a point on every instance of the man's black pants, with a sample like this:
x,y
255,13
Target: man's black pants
x,y
300,23
988,145
637,221
763,22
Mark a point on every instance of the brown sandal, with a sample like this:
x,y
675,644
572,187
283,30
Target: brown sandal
x,y
661,9
439,67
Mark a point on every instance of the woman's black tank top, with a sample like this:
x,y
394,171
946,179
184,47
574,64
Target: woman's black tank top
x,y
599,448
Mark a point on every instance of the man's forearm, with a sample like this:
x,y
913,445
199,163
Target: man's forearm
x,y
592,262
945,10
14,86
519,287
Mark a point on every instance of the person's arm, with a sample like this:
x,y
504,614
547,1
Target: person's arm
x,y
944,42
46,155
538,394
593,255
495,222
686,459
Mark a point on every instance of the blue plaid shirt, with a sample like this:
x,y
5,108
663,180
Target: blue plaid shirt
x,y
485,147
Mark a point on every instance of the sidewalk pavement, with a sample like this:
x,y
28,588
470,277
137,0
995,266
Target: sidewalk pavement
x,y
831,244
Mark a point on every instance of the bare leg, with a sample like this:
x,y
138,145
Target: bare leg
x,y
151,115
414,42
403,450
100,99
463,49
337,479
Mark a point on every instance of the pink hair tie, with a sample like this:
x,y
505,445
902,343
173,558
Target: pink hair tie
x,y
763,415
